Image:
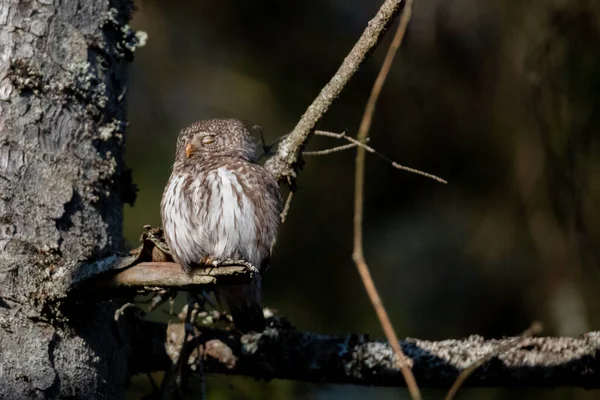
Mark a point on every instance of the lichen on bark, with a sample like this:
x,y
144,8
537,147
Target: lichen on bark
x,y
62,187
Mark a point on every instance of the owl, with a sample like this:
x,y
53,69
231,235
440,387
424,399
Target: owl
x,y
219,203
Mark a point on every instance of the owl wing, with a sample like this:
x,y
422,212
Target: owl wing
x,y
270,201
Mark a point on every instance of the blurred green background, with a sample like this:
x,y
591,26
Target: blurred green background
x,y
500,97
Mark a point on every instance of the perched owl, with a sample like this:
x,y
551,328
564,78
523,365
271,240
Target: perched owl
x,y
220,204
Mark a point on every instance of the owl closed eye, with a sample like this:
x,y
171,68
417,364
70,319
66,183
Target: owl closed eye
x,y
216,138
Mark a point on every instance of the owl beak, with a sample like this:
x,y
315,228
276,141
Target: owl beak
x,y
188,150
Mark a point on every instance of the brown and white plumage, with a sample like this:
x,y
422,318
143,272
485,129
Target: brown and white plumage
x,y
220,204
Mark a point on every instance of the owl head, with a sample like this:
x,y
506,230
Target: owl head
x,y
216,137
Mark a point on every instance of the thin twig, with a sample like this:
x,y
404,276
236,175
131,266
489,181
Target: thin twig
x,y
160,297
419,172
288,204
342,135
284,163
329,151
533,330
121,310
358,253
373,151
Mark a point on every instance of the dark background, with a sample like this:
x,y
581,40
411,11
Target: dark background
x,y
501,98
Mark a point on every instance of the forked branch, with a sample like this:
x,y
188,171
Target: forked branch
x,y
288,157
356,143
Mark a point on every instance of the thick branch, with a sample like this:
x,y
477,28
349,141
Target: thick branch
x,y
290,354
285,161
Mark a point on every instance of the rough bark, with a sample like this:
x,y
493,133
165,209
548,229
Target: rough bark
x,y
283,353
62,186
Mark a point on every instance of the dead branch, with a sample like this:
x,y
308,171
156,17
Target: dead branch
x,y
311,357
171,275
285,162
153,276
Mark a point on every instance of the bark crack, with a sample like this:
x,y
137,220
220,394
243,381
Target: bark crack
x,y
54,389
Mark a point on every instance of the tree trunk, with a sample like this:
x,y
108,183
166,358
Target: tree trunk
x,y
62,188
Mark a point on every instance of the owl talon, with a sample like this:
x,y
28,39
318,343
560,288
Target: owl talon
x,y
250,267
208,261
211,263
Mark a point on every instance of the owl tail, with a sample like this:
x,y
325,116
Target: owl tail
x,y
245,304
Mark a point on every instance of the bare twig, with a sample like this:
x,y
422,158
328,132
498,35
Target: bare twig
x,y
160,297
288,204
419,172
358,253
370,150
330,151
284,163
501,348
121,310
342,135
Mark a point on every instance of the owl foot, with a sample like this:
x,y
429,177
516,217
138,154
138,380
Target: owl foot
x,y
208,261
215,262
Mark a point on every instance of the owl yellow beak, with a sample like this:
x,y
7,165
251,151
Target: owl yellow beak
x,y
188,150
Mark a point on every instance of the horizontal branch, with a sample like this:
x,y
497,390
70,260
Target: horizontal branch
x,y
311,357
170,275
167,275
151,267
